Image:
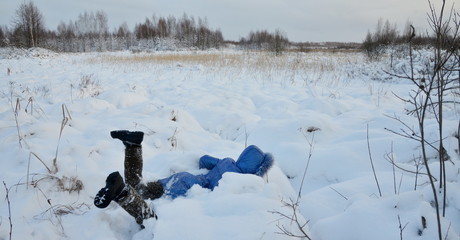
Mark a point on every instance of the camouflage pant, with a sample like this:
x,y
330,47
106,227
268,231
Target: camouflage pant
x,y
133,203
133,165
135,192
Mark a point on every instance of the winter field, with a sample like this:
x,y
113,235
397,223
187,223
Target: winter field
x,y
323,115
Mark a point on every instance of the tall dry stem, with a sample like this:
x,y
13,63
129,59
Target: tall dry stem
x,y
9,209
372,161
65,119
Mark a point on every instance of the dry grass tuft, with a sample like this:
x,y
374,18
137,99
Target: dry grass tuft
x,y
69,184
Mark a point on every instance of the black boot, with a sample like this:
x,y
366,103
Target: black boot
x,y
113,189
128,138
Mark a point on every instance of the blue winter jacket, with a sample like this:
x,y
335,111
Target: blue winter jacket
x,y
251,161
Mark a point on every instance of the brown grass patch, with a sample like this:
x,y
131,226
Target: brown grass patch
x,y
254,61
174,58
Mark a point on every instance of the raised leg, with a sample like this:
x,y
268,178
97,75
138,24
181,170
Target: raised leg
x,y
133,155
134,164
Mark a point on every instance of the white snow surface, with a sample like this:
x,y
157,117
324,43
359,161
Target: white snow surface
x,y
188,108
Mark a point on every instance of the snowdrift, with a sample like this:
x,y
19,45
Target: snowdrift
x,y
320,109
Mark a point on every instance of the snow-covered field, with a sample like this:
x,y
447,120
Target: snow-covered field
x,y
320,109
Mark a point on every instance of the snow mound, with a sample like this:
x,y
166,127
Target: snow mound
x,y
18,53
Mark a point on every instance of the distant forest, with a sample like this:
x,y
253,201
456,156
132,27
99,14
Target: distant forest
x,y
90,32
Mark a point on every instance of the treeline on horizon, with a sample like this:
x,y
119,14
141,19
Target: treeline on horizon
x,y
386,34
90,32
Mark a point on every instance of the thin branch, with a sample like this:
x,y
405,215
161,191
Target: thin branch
x,y
339,193
412,135
39,159
9,209
311,130
409,171
372,162
390,157
401,228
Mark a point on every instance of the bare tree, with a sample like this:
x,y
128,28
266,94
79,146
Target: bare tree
x,y
2,37
446,28
162,28
28,25
66,37
432,86
375,43
184,31
123,30
90,33
279,42
102,25
275,42
92,24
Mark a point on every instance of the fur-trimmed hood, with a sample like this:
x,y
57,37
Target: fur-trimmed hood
x,y
252,160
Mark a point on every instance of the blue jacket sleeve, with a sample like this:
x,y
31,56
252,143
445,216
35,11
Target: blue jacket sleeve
x,y
208,162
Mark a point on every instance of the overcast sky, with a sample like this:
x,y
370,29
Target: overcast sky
x,y
301,20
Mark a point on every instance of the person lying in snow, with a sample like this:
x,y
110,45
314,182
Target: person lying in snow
x,y
130,194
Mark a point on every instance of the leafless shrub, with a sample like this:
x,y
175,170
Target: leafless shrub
x,y
88,86
52,214
428,98
294,219
293,205
55,211
276,42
